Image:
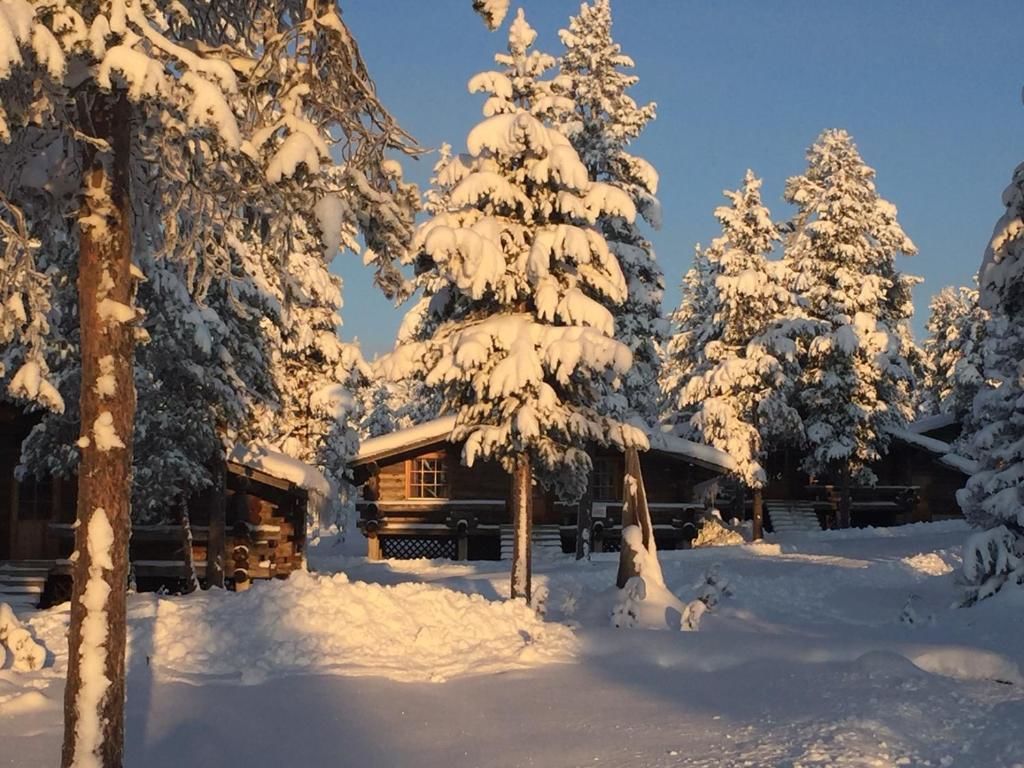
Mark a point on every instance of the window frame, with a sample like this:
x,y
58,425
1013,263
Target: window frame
x,y
416,489
613,471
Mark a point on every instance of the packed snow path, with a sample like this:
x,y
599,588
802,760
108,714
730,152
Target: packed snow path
x,y
809,664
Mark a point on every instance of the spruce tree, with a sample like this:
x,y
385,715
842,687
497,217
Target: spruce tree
x,y
739,389
523,347
692,328
991,501
857,373
605,121
953,350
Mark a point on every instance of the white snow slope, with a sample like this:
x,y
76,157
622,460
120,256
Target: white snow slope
x,y
808,663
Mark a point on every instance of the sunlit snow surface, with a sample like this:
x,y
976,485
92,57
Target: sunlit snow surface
x,y
807,664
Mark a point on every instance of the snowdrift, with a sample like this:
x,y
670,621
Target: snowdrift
x,y
314,624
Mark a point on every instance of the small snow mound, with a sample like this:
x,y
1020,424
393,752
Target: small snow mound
x,y
928,564
25,703
963,663
887,664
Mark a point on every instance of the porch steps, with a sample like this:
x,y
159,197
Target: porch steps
x,y
788,516
545,537
22,582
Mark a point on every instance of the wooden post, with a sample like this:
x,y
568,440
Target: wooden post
x,y
522,517
373,546
584,521
844,496
462,546
94,719
216,535
758,516
192,581
634,512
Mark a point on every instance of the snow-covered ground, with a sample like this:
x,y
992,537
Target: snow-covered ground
x,y
808,663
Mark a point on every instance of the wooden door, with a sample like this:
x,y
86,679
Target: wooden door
x,y
32,503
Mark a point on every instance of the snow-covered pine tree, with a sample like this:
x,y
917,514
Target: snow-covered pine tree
x,y
493,12
388,406
991,501
604,123
741,387
857,378
690,331
953,349
162,103
524,348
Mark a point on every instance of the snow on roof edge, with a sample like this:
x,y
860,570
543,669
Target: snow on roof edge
x,y
280,465
942,451
929,423
706,455
441,429
404,439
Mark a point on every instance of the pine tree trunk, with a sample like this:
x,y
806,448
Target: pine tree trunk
x,y
584,519
216,534
94,696
844,496
758,516
522,512
191,579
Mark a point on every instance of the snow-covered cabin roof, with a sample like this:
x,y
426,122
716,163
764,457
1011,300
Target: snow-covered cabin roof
x,y
281,466
402,440
697,453
943,451
928,424
439,430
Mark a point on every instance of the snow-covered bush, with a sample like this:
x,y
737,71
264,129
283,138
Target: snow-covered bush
x,y
27,655
714,532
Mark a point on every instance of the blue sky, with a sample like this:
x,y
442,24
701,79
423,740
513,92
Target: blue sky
x,y
930,90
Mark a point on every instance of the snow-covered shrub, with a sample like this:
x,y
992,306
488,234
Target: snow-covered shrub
x,y
992,558
714,587
27,654
714,532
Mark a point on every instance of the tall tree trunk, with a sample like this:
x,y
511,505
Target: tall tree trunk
x,y
758,515
584,520
94,696
522,517
844,496
191,579
216,534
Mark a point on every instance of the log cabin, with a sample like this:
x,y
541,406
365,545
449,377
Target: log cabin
x,y
917,482
418,499
256,518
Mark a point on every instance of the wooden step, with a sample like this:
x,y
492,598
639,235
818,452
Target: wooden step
x,y
543,537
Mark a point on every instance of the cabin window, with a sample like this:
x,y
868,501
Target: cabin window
x,y
35,499
428,478
606,483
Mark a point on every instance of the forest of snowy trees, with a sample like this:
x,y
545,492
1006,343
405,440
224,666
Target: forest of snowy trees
x,y
175,185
